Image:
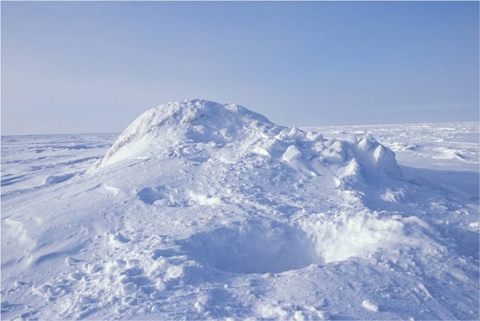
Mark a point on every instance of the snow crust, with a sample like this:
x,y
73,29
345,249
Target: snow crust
x,y
201,210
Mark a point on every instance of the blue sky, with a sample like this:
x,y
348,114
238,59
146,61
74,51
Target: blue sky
x,y
74,67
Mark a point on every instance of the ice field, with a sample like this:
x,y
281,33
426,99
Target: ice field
x,y
201,211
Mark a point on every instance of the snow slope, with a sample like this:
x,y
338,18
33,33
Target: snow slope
x,y
207,211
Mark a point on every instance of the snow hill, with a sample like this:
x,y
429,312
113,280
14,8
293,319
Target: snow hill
x,y
201,210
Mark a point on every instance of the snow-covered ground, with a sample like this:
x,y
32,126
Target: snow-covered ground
x,y
208,211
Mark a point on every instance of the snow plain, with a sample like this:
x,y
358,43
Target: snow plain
x,y
207,211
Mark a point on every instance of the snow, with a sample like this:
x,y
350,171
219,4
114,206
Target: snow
x,y
55,179
200,210
370,306
291,153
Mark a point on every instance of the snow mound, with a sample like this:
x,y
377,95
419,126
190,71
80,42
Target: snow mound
x,y
187,120
244,157
190,127
240,152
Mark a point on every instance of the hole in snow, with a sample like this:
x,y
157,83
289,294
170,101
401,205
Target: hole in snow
x,y
272,247
152,195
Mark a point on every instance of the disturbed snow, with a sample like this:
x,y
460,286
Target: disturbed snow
x,y
206,211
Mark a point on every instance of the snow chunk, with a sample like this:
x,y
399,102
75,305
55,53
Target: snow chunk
x,y
367,142
323,315
291,153
203,199
129,288
202,304
370,306
311,136
334,153
289,134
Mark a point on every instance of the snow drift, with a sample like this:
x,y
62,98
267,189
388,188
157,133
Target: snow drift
x,y
202,210
185,121
197,122
225,136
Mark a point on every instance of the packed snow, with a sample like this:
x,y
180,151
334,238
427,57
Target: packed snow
x,y
200,210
